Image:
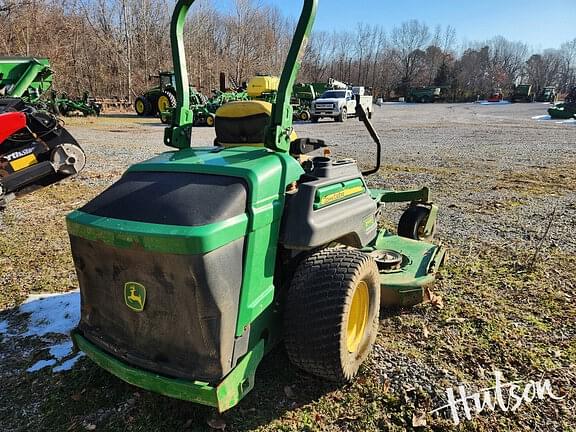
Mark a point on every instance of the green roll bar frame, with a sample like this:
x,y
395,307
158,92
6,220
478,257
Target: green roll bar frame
x,y
179,133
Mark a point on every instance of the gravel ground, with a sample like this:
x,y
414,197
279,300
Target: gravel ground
x,y
506,187
478,160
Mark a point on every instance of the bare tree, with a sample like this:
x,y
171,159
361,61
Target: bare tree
x,y
542,69
507,60
568,65
408,42
110,47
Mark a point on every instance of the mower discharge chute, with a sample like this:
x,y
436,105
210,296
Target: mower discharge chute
x,y
33,145
197,262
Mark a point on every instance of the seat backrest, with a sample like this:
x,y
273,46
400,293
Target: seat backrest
x,y
242,123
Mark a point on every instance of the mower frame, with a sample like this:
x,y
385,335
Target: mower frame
x,y
268,173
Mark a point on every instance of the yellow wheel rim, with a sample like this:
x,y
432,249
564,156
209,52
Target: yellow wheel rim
x,y
210,121
357,317
163,103
139,106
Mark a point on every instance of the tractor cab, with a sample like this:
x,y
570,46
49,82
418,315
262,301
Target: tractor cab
x,y
167,80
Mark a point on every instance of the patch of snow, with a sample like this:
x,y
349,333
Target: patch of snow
x,y
3,327
41,365
61,350
485,102
51,313
49,317
546,117
68,364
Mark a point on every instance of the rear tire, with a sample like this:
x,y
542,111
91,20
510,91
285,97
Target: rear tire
x,y
165,101
142,106
331,313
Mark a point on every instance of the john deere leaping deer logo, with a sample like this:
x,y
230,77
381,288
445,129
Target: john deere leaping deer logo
x,y
135,296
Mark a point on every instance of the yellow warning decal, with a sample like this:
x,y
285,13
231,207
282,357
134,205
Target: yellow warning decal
x,y
24,162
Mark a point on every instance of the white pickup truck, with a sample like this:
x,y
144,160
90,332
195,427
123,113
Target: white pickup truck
x,y
338,104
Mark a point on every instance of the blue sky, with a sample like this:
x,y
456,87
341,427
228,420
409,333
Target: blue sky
x,y
541,24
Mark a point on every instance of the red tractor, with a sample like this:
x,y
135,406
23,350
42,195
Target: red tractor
x,y
33,145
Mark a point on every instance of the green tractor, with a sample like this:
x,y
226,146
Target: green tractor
x,y
197,104
203,109
302,96
522,93
547,94
424,94
158,99
199,261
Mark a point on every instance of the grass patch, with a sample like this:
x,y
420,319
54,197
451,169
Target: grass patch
x,y
498,314
34,248
539,180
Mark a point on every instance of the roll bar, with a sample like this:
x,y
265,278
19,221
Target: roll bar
x,y
277,136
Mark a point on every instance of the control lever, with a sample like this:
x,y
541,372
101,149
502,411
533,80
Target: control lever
x,y
361,114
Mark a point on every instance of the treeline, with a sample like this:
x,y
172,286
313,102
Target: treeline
x,y
111,47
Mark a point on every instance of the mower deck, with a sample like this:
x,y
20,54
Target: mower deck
x,y
562,111
404,286
33,145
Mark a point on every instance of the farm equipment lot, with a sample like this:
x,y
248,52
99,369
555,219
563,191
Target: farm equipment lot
x,y
506,188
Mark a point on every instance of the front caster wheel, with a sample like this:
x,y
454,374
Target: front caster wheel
x,y
413,222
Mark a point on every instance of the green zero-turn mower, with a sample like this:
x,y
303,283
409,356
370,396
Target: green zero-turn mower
x,y
197,262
